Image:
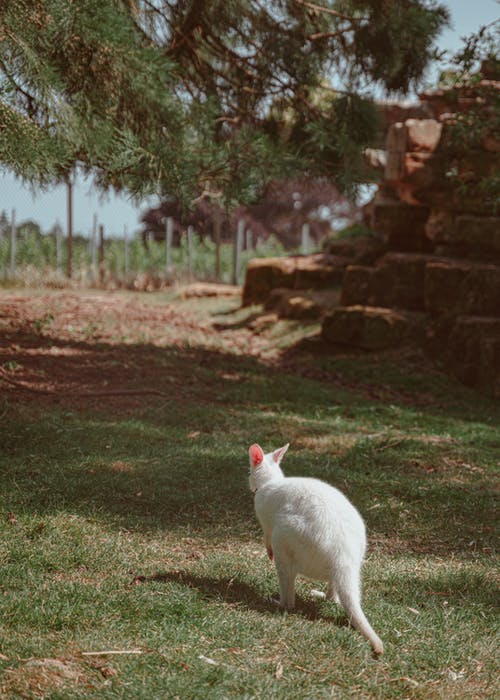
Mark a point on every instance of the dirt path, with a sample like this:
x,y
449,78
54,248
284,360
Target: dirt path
x,y
124,350
94,347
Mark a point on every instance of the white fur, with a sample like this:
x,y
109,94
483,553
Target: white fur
x,y
313,530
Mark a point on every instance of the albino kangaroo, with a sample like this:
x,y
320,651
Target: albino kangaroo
x,y
310,528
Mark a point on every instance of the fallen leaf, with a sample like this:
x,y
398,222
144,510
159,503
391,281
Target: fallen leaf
x,y
193,434
108,671
120,466
196,555
279,671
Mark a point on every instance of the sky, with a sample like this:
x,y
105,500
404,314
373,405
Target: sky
x,y
117,212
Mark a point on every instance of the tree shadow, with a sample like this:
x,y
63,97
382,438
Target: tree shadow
x,y
178,474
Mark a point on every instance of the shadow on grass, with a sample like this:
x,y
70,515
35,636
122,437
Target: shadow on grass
x,y
233,591
180,460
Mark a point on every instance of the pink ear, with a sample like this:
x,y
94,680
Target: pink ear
x,y
278,454
256,455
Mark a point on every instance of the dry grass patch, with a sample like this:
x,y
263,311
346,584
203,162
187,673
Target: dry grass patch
x,y
40,677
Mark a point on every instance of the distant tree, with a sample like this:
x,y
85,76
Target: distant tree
x,y
29,228
201,216
281,211
4,223
286,206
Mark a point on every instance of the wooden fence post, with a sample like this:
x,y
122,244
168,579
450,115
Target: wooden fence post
x,y
101,253
304,245
13,244
169,234
125,240
69,268
93,247
249,239
217,228
190,251
58,247
238,245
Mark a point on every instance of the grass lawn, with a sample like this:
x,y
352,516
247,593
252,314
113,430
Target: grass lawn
x,y
126,523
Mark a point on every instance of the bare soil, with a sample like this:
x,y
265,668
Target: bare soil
x,y
120,350
94,347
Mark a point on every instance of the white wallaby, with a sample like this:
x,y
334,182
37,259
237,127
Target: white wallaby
x,y
310,528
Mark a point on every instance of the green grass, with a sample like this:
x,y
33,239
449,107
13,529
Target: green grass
x,y
134,529
36,259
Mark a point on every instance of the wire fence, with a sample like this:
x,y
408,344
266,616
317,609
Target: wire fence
x,y
31,257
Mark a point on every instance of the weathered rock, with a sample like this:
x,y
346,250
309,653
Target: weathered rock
x,y
409,148
462,288
396,147
302,304
376,158
473,352
397,281
357,285
317,271
465,236
359,250
401,225
403,276
264,274
423,134
458,99
372,328
490,142
440,225
208,289
392,112
436,200
474,233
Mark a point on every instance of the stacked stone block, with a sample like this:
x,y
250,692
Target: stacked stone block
x,y
439,284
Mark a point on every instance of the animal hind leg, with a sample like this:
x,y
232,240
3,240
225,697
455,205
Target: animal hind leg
x,y
332,593
286,577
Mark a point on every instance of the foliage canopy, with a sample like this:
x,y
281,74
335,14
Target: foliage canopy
x,y
163,96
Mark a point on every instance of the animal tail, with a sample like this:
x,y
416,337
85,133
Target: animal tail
x,y
359,621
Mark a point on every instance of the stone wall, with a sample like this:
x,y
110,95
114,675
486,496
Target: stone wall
x,y
439,283
432,278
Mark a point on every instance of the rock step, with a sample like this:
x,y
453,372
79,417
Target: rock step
x,y
464,236
317,271
401,225
459,288
420,282
473,352
397,281
360,250
373,328
423,229
302,304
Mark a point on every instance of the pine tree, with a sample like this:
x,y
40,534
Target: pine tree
x,y
190,96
